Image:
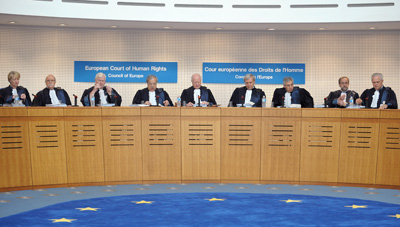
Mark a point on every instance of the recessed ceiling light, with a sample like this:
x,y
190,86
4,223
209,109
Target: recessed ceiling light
x,y
12,22
271,29
321,28
166,27
371,28
62,25
218,28
114,26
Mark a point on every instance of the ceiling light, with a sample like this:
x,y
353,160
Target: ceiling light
x,y
321,28
166,27
371,28
12,22
114,26
271,29
218,28
62,25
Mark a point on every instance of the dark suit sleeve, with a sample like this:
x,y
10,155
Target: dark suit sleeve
x,y
211,98
111,98
331,100
307,99
184,96
234,97
168,98
85,98
276,98
38,100
261,94
391,100
363,97
67,99
28,101
138,97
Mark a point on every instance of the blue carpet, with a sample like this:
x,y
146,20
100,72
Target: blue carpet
x,y
195,209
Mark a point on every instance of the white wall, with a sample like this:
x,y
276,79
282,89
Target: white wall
x,y
35,52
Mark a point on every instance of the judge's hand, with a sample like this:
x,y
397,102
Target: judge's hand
x,y
190,104
95,89
384,106
109,90
205,103
147,103
166,103
341,100
359,101
23,96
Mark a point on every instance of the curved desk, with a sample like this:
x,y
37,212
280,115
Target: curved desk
x,y
56,147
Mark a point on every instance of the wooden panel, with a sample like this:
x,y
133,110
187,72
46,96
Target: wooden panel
x,y
200,111
200,148
82,111
160,111
13,112
240,148
161,148
84,149
120,111
321,112
45,111
280,149
361,113
388,167
47,143
392,114
240,112
122,149
15,162
281,112
358,152
320,142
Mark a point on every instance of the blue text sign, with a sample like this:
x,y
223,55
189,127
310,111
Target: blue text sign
x,y
266,73
131,72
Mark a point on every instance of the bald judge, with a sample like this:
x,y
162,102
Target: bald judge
x,y
192,94
51,94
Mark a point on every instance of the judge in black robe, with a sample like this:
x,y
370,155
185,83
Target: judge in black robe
x,y
298,95
6,94
43,97
239,94
142,96
110,94
206,96
338,99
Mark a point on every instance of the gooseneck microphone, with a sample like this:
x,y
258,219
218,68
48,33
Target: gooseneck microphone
x,y
75,100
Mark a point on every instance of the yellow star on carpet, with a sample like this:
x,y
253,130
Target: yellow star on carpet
x,y
292,201
356,206
215,199
87,208
62,220
142,202
395,216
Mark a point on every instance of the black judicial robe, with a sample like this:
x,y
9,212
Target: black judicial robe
x,y
334,95
43,97
205,95
143,95
385,94
256,96
299,96
7,97
110,98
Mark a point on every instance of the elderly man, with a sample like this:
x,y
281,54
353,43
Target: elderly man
x,y
248,95
342,97
15,92
197,95
51,94
102,93
289,95
152,95
379,96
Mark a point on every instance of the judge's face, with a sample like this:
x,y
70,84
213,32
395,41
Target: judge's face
x,y
152,84
377,82
196,81
344,84
50,82
288,86
14,82
249,83
101,81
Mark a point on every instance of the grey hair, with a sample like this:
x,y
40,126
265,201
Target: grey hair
x,y
248,76
150,77
48,76
287,79
377,74
98,75
194,75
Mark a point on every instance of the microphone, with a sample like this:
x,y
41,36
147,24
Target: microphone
x,y
283,101
76,99
366,102
35,96
157,101
325,103
199,97
242,100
